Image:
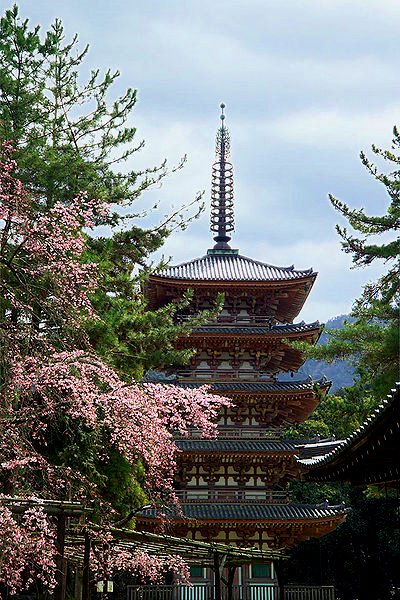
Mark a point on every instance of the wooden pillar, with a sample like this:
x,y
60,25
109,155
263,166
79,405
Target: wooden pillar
x,y
78,584
217,578
280,579
86,569
59,591
231,575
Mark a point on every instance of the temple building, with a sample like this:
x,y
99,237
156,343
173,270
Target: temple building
x,y
369,456
233,489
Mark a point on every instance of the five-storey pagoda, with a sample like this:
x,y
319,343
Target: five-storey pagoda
x,y
233,488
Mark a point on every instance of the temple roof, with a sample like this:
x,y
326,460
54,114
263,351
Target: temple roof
x,y
218,445
370,454
256,512
317,449
231,267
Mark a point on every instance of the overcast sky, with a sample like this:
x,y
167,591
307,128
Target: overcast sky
x,y
307,84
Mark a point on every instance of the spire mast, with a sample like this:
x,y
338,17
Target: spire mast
x,y
222,217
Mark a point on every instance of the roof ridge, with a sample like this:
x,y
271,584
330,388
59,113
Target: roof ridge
x,y
259,262
299,324
212,257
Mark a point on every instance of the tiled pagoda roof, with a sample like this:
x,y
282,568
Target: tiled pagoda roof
x,y
260,511
256,512
256,386
318,449
218,445
249,330
231,267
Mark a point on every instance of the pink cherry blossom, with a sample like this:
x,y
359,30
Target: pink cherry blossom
x,y
45,288
27,552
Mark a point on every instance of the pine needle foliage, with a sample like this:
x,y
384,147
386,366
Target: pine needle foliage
x,y
74,133
371,341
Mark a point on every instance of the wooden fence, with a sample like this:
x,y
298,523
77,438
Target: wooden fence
x,y
239,592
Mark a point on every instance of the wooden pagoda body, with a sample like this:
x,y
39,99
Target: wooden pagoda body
x,y
233,489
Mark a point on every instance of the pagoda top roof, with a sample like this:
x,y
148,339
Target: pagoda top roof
x,y
230,266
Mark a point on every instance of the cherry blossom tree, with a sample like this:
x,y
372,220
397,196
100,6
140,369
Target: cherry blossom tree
x,y
64,414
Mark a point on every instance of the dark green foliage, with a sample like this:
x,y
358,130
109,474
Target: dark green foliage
x,y
72,135
337,415
366,250
340,372
69,135
371,345
371,340
123,488
132,338
361,557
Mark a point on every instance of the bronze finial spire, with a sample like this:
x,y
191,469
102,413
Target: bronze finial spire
x,y
222,218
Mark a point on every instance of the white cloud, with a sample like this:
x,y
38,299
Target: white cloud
x,y
307,84
335,128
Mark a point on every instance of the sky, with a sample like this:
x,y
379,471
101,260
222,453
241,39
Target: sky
x,y
307,85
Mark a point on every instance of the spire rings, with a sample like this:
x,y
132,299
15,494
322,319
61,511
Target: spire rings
x,y
222,216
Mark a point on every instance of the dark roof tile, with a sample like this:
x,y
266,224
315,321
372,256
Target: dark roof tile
x,y
234,267
259,445
256,512
251,330
254,386
318,461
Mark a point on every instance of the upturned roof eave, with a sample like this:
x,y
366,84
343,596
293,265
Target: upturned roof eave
x,y
236,269
358,438
200,452
291,331
188,282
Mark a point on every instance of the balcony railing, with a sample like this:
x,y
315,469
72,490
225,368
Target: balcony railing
x,y
236,433
226,495
237,319
238,592
223,374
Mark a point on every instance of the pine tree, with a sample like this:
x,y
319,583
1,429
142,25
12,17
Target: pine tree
x,y
71,137
371,341
384,293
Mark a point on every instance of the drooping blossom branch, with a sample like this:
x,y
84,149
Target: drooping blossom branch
x,y
138,419
108,559
27,551
56,406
